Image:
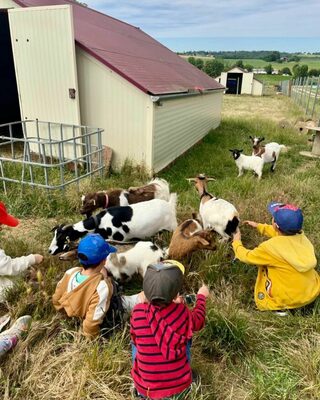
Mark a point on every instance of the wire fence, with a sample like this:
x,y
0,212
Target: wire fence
x,y
49,155
305,92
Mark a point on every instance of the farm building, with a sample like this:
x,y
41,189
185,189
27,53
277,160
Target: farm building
x,y
239,81
68,63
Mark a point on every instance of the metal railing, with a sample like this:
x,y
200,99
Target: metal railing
x,y
49,155
305,92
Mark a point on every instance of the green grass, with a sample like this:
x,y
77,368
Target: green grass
x,y
241,353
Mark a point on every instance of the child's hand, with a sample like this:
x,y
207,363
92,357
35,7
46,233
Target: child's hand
x,y
237,235
38,258
204,290
251,223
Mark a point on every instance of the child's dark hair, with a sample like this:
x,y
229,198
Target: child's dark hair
x,y
85,258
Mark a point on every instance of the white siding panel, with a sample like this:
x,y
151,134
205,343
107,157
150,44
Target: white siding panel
x,y
8,4
44,57
115,105
257,88
247,78
180,123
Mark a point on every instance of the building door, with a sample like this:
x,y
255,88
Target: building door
x,y
9,100
234,83
45,64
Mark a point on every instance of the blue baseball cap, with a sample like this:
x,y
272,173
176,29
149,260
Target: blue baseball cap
x,y
93,249
288,217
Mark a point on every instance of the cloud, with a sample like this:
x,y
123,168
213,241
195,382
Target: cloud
x,y
194,18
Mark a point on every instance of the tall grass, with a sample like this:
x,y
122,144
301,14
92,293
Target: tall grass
x,y
241,353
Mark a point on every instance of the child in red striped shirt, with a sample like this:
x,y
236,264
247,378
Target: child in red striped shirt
x,y
161,331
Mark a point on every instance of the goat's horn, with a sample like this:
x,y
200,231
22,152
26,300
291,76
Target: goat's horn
x,y
211,179
190,179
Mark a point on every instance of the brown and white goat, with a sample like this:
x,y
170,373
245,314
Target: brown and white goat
x,y
155,189
216,214
269,152
189,237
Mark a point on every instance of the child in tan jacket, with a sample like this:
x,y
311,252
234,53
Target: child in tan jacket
x,y
86,291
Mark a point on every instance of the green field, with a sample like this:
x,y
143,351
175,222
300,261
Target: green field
x,y
312,62
241,354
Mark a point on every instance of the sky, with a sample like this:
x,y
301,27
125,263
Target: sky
x,y
284,25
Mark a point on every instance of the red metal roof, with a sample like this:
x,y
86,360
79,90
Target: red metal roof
x,y
130,52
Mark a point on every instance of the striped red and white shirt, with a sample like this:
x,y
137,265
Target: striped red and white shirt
x,y
160,334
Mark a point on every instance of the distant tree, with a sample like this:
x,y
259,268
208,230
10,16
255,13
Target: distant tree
x,y
213,68
199,63
248,67
294,58
300,70
314,72
268,68
285,71
273,56
239,64
192,60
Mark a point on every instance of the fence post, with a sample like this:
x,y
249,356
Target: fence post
x,y
302,89
310,91
315,98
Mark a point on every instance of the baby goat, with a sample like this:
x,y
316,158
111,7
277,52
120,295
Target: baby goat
x,y
243,162
189,237
128,260
269,153
155,189
216,214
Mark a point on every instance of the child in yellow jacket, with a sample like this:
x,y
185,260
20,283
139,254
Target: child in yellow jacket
x,y
286,263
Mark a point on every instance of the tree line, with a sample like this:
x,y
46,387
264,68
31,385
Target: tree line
x,y
214,68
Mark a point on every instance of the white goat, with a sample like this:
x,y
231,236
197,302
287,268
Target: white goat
x,y
243,162
216,214
134,261
269,153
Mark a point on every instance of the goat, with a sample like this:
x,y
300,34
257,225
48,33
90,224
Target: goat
x,y
243,162
216,214
269,153
189,237
134,261
138,221
155,189
128,260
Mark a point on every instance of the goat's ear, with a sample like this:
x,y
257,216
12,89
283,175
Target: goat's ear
x,y
261,139
250,137
54,228
231,150
211,179
240,151
190,180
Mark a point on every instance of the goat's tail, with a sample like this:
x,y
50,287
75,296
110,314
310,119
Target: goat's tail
x,y
173,206
162,189
283,148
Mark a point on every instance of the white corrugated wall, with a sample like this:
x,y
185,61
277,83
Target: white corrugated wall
x,y
182,122
110,102
8,4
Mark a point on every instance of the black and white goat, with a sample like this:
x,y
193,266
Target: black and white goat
x,y
269,152
216,214
138,221
155,189
243,162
